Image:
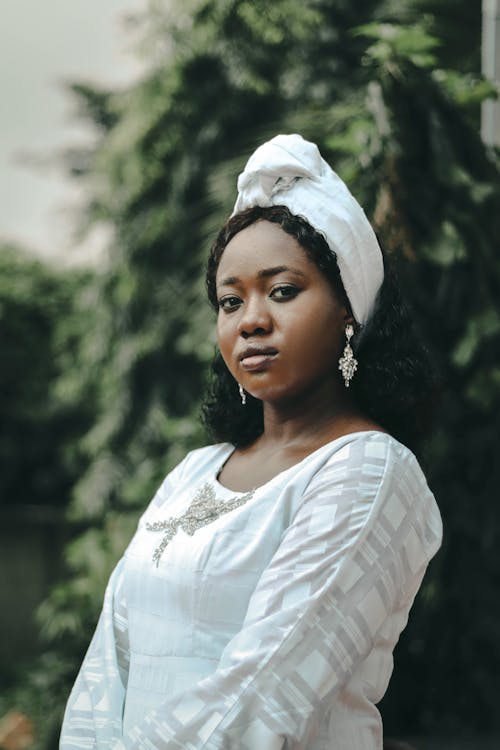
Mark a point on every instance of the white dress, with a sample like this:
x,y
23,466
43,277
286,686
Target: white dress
x,y
264,620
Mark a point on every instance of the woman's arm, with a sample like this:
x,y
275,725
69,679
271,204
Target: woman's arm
x,y
355,553
93,716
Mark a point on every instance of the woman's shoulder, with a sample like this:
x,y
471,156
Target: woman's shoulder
x,y
374,471
366,445
208,454
201,460
375,461
369,444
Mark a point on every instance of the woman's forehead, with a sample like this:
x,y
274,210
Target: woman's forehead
x,y
259,246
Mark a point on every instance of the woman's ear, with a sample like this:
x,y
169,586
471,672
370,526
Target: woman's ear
x,y
349,318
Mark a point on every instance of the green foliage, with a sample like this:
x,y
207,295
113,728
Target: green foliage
x,y
45,406
457,24
40,328
439,204
395,44
383,92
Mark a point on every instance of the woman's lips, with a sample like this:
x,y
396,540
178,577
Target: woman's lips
x,y
257,361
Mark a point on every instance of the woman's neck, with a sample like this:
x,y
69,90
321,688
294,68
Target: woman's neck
x,y
313,420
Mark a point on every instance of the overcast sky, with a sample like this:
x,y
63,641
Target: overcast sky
x,y
42,44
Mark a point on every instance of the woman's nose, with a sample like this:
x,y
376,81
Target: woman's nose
x,y
255,318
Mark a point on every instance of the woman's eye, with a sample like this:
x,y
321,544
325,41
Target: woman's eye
x,y
284,292
229,303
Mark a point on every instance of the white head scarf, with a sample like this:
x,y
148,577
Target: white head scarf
x,y
289,171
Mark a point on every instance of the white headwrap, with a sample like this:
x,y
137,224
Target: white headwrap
x,y
290,171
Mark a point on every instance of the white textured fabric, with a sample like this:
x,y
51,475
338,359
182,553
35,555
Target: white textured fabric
x,y
289,171
271,627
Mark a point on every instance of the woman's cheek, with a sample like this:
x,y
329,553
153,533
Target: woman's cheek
x,y
225,342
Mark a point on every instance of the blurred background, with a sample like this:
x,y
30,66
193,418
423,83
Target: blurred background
x,y
124,126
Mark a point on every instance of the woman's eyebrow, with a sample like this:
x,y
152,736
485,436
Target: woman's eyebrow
x,y
265,273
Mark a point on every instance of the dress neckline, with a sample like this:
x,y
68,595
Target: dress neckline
x,y
230,449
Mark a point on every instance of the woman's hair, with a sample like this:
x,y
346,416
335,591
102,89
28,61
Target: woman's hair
x,y
394,385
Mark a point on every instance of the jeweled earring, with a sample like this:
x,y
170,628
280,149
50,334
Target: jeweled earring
x,y
243,395
348,364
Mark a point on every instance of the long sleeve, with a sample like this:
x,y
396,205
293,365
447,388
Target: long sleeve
x,y
94,712
351,559
93,717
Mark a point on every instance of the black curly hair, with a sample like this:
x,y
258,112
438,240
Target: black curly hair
x,y
395,384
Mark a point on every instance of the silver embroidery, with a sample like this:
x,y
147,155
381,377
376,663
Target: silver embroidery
x,y
203,509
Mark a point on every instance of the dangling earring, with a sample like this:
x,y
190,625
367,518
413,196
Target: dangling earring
x,y
243,395
348,364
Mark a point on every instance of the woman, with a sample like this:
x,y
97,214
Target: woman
x,y
258,604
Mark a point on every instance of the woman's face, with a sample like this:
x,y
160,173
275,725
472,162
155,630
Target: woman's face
x,y
280,326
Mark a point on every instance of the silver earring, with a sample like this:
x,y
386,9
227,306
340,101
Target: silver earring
x,y
243,395
348,364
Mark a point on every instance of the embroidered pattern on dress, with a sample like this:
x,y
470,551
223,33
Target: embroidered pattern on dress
x,y
203,509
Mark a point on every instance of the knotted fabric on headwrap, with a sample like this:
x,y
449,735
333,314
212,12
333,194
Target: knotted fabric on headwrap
x,y
289,171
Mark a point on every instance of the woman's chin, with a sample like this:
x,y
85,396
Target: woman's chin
x,y
276,396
